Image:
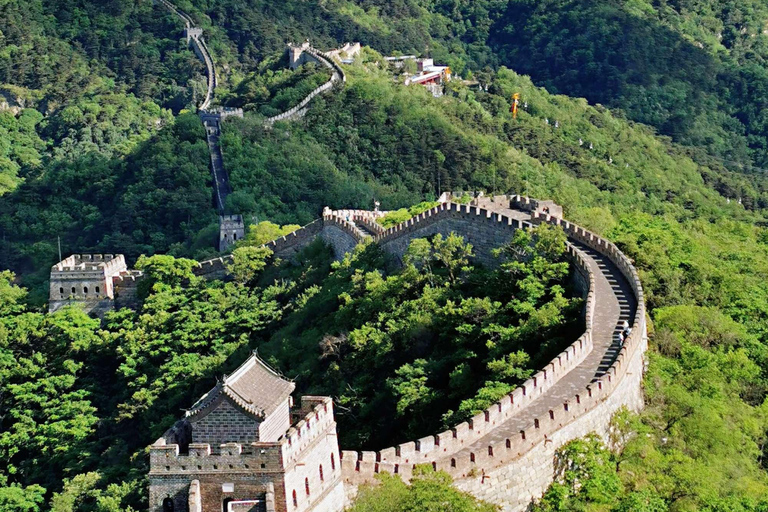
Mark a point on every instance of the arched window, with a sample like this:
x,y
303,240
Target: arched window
x,y
85,290
234,236
453,463
225,504
73,290
295,499
167,505
306,485
333,463
97,289
321,473
490,451
61,291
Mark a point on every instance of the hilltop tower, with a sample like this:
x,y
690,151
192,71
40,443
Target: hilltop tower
x,y
231,229
85,279
244,447
297,55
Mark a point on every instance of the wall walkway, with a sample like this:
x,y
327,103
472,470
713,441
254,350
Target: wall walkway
x,y
506,454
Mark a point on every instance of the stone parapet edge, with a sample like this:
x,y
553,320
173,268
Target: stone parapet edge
x,y
362,466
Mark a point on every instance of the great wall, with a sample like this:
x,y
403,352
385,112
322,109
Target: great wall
x,y
232,226
230,455
507,454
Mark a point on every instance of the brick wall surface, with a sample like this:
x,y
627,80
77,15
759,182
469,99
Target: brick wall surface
x,y
226,423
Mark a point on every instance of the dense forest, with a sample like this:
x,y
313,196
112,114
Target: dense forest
x,y
645,120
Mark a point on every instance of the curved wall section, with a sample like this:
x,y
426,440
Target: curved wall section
x,y
506,454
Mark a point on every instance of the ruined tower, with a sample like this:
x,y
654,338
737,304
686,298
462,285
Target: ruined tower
x,y
231,229
244,447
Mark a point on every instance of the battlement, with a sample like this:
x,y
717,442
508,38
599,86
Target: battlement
x,y
536,206
315,423
125,288
80,263
315,420
438,448
85,279
460,451
224,458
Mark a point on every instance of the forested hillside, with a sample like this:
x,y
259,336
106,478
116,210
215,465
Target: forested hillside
x,y
99,145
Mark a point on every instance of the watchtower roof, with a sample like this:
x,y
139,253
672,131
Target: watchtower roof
x,y
254,387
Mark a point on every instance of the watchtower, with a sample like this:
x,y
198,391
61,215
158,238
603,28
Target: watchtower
x,y
193,33
244,447
231,229
297,55
85,279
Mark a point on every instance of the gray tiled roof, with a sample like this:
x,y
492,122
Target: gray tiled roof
x,y
254,386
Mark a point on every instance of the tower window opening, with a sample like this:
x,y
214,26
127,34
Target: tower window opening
x,y
168,505
234,237
74,290
306,485
321,473
96,289
61,291
85,290
295,499
333,463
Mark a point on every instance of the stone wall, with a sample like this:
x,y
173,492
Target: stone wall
x,y
317,465
528,477
86,280
125,287
342,238
360,467
513,470
301,55
485,230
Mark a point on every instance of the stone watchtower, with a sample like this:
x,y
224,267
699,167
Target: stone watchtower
x,y
244,447
85,279
231,229
193,33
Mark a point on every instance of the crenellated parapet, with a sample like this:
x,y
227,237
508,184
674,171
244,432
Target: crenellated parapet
x,y
504,454
85,279
287,458
523,429
443,450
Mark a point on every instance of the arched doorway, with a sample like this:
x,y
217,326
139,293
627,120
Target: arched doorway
x,y
168,505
